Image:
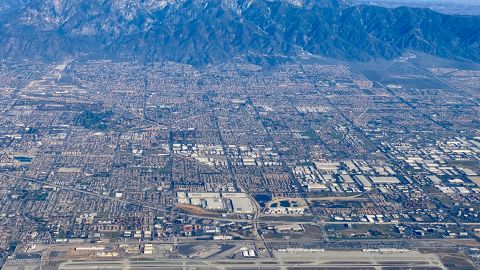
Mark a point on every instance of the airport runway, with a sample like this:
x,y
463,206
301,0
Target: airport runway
x,y
283,260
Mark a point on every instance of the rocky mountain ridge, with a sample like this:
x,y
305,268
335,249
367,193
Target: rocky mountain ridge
x,y
207,31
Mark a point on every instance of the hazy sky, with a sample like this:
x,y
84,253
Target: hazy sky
x,y
439,1
471,2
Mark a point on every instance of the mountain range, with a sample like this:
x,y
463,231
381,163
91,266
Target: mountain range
x,y
200,32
